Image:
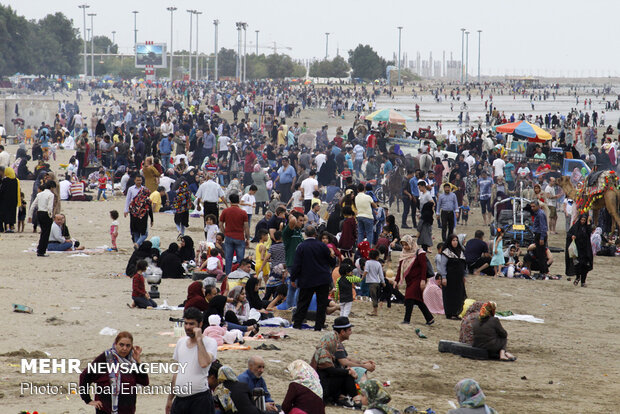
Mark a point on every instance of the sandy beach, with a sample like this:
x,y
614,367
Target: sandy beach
x,y
566,364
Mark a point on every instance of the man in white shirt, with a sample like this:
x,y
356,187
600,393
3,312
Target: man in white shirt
x,y
5,157
210,193
166,182
166,128
57,242
65,189
222,143
498,167
44,202
307,187
195,353
365,219
470,160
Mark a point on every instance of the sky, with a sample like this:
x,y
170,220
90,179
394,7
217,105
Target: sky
x,y
540,38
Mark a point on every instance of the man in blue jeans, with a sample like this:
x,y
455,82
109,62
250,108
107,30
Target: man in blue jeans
x,y
234,224
365,216
165,148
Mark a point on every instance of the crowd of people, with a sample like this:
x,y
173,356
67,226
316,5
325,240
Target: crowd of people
x,y
310,204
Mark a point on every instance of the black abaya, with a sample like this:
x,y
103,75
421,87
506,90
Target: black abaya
x,y
454,293
8,201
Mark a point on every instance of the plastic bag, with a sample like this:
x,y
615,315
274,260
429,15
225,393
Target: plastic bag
x,y
572,250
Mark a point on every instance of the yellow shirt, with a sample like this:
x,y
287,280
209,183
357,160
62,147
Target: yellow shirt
x,y
259,262
155,201
315,200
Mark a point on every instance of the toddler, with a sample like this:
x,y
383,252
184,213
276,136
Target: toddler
x,y
344,288
114,229
140,296
373,275
21,214
102,183
214,330
463,212
211,229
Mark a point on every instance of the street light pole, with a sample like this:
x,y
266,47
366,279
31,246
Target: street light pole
x,y
135,30
245,50
197,13
92,45
113,37
462,54
84,7
326,44
479,31
256,41
466,57
400,28
191,20
215,24
238,68
171,10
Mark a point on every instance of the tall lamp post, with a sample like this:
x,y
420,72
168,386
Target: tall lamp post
x,y
113,37
92,45
245,50
197,13
256,31
215,24
191,20
84,7
479,31
238,67
326,44
400,28
466,57
462,54
135,30
171,10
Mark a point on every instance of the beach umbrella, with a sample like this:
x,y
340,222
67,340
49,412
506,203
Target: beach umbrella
x,y
389,115
523,129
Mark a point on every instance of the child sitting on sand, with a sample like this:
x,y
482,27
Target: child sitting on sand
x,y
140,296
213,264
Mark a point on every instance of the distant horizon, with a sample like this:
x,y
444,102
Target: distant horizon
x,y
547,42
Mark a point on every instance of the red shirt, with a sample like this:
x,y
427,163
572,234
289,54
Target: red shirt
x,y
137,285
250,160
234,217
372,141
338,141
102,183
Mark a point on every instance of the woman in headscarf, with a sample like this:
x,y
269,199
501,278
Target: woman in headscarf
x,y
471,399
232,395
328,170
186,250
376,398
121,397
10,200
56,190
260,178
338,383
432,296
305,394
466,334
144,252
156,243
238,311
140,210
580,233
452,268
412,269
196,297
255,302
171,264
596,240
182,204
490,335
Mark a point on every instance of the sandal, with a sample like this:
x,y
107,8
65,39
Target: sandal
x,y
511,359
576,282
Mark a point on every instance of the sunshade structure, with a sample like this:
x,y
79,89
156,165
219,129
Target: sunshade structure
x,y
523,129
389,115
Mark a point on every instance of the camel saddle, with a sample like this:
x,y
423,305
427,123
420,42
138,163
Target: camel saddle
x,y
596,181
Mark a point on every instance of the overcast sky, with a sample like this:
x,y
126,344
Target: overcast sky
x,y
542,37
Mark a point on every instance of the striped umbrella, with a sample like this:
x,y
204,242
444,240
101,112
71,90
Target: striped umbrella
x,y
523,129
389,115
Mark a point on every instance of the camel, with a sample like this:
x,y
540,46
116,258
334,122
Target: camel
x,y
610,201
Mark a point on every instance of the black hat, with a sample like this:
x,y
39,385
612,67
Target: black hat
x,y
342,322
